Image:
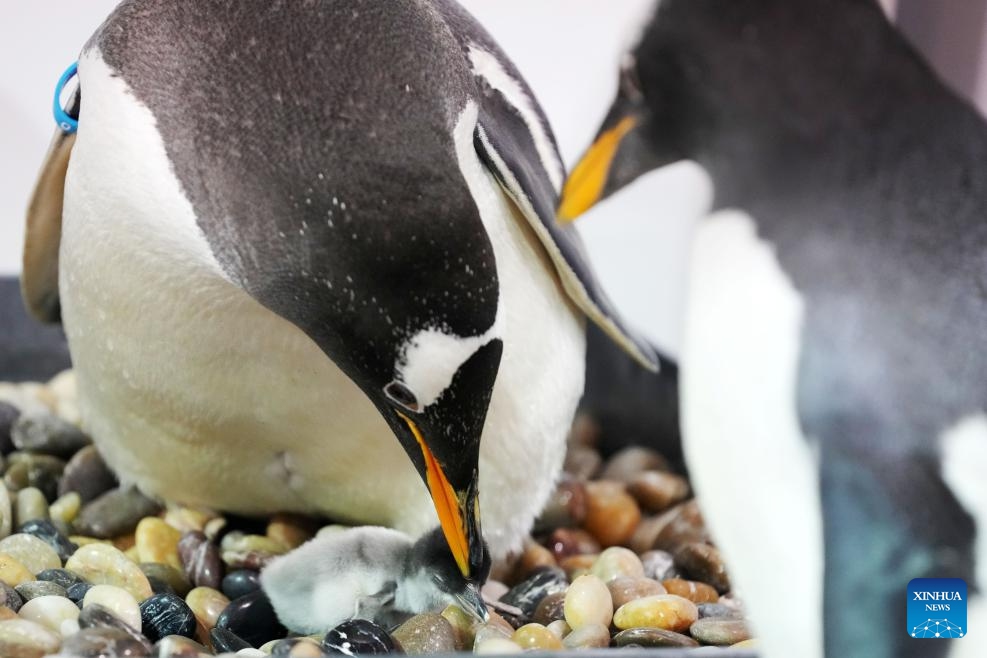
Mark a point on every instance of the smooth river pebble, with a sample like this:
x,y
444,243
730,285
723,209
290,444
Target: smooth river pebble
x,y
588,602
30,551
667,611
102,564
118,602
55,613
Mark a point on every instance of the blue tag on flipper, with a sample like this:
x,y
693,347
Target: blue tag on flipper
x,y
66,122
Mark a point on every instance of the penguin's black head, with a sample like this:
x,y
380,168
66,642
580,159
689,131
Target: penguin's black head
x,y
432,558
738,81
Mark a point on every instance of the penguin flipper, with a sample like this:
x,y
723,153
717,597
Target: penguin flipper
x,y
39,277
507,149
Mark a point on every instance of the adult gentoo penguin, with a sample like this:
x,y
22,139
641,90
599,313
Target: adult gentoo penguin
x,y
835,364
293,231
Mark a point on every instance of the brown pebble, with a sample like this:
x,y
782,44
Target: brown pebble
x,y
582,463
612,515
534,556
207,604
114,513
564,542
425,634
625,464
703,562
624,590
673,613
550,608
656,491
577,565
684,525
290,530
720,632
690,589
86,474
652,637
200,560
566,508
585,431
157,541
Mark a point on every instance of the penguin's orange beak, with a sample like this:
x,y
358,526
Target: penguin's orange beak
x,y
585,186
450,505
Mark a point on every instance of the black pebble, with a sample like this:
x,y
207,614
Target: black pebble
x,y
62,577
49,534
8,416
527,594
166,614
9,597
358,636
159,586
252,617
77,592
226,641
240,582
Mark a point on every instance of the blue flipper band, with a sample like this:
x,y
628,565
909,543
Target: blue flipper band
x,y
66,123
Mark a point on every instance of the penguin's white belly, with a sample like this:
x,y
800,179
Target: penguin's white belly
x,y
754,472
198,394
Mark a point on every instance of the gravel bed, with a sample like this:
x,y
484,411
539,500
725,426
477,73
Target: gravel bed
x,y
619,558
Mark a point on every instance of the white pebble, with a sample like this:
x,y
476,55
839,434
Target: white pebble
x,y
52,612
617,562
560,628
497,646
119,602
253,653
588,601
16,634
30,551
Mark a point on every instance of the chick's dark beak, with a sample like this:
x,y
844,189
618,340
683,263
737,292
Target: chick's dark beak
x,y
471,600
446,451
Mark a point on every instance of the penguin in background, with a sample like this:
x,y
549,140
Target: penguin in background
x,y
834,373
306,257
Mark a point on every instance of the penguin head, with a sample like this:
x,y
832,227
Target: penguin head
x,y
432,571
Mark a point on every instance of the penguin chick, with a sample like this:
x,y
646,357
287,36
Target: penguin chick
x,y
368,572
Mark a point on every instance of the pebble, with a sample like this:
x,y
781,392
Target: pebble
x,y
718,611
590,636
166,614
462,625
172,578
625,590
588,602
176,646
238,542
550,608
617,562
157,541
533,558
425,634
104,643
207,604
252,618
658,565
289,530
78,591
627,463
61,577
652,637
102,564
49,434
118,602
681,524
527,594
9,597
20,638
560,628
565,542
242,581
700,562
537,637
86,474
497,646
114,513
6,512
673,613
12,572
31,506
56,613
34,471
48,533
36,588
577,565
30,551
298,647
224,640
200,560
96,616
496,627
359,637
612,514
8,416
656,491
720,632
581,462
566,508
689,589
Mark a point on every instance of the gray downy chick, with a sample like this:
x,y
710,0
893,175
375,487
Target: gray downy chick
x,y
367,572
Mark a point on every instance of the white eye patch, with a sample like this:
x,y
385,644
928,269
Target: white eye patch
x,y
430,359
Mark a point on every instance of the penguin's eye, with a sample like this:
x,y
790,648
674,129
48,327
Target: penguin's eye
x,y
402,395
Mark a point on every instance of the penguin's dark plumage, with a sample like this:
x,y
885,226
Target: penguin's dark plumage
x,y
835,344
296,230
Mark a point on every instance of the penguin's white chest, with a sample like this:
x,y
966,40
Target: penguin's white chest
x,y
754,472
199,394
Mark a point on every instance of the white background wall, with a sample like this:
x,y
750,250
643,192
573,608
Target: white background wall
x,y
568,50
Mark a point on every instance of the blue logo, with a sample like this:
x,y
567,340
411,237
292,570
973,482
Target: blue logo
x,y
937,608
